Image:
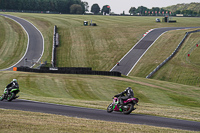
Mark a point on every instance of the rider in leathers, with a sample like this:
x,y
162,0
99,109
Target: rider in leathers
x,y
11,86
129,94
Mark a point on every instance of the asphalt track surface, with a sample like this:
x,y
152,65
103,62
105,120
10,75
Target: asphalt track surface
x,y
99,114
35,46
128,62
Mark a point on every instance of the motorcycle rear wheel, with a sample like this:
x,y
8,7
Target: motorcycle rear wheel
x,y
110,108
129,108
11,97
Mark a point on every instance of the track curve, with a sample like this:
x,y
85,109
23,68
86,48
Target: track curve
x,y
130,59
99,114
35,46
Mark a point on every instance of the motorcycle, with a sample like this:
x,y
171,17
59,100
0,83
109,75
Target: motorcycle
x,y
11,95
126,108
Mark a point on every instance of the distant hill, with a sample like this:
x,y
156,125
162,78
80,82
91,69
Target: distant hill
x,y
192,6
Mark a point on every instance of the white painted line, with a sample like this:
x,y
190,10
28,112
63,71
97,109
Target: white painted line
x,y
26,48
149,48
145,52
131,49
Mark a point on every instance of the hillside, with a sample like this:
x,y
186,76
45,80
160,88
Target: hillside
x,y
13,42
102,46
192,6
180,69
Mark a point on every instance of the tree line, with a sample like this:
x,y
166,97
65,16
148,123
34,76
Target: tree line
x,y
79,7
96,9
156,11
144,11
61,6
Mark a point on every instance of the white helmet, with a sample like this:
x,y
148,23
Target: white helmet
x,y
14,80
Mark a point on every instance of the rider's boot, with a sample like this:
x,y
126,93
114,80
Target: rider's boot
x,y
120,105
16,97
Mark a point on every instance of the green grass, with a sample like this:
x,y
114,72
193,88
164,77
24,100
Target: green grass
x,y
102,46
13,42
2,33
97,47
156,97
180,69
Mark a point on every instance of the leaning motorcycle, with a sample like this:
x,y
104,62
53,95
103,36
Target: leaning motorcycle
x,y
10,96
126,108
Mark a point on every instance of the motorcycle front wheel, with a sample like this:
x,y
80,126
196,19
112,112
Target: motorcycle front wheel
x,y
11,96
110,108
127,109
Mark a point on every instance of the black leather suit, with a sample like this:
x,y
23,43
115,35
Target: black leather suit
x,y
122,97
11,86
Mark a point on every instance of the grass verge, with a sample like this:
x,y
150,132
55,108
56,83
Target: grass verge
x,y
13,42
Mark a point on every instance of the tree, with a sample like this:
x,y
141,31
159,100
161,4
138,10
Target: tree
x,y
106,9
76,9
86,5
132,10
141,10
95,8
178,12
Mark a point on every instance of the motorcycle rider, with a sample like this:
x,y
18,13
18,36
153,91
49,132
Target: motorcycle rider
x,y
11,86
129,94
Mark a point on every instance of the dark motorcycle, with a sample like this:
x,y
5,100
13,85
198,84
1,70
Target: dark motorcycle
x,y
126,108
11,95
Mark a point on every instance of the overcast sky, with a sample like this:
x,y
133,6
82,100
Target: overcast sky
x,y
118,6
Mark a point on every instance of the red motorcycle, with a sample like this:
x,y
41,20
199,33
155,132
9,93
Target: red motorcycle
x,y
126,108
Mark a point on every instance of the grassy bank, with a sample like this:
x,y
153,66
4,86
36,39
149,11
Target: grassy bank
x,y
97,47
102,46
181,69
13,42
156,97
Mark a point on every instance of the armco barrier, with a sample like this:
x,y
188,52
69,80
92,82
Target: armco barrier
x,y
55,44
68,70
172,55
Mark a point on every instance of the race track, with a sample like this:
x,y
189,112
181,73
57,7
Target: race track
x,y
35,46
99,114
128,62
35,50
